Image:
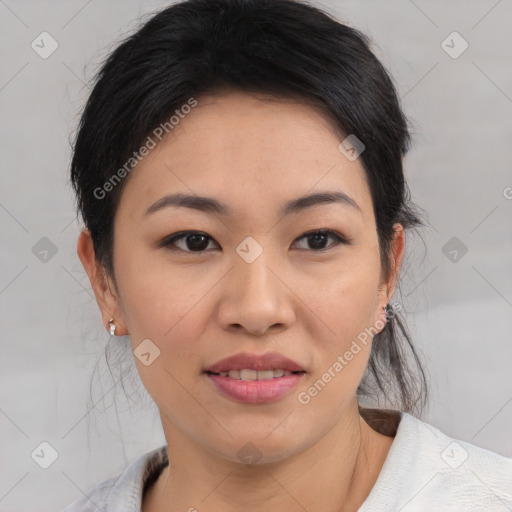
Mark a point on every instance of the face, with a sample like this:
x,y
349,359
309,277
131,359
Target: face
x,y
254,278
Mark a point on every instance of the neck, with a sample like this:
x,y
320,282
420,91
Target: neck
x,y
336,474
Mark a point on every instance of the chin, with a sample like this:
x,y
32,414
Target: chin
x,y
257,448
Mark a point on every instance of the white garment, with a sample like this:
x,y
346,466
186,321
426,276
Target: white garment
x,y
425,470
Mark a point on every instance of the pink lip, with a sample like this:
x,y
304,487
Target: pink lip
x,y
268,361
256,391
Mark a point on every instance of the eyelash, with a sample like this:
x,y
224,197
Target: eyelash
x,y
168,242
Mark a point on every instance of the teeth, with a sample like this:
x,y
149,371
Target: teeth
x,y
255,375
249,375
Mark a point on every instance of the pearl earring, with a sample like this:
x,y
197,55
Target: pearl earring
x,y
112,326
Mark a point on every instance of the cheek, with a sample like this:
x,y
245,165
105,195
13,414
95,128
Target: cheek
x,y
345,301
345,296
343,350
167,309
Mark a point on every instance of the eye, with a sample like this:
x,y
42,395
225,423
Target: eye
x,y
318,239
196,241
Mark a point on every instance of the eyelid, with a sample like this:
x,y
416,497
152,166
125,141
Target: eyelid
x,y
338,237
168,241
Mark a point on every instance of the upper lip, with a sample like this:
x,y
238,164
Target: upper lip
x,y
245,360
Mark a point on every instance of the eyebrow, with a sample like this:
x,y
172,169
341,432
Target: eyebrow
x,y
213,206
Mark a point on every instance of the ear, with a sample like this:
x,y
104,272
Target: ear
x,y
102,284
388,284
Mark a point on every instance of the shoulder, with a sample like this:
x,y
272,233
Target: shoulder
x,y
426,470
123,492
465,473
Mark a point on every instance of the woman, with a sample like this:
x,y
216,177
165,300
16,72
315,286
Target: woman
x,y
238,168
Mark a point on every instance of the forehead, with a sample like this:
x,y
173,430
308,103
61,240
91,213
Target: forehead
x,y
244,148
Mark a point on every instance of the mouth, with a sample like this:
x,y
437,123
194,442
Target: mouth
x,y
255,387
255,378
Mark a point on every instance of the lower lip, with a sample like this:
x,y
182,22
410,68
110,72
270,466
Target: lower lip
x,y
256,391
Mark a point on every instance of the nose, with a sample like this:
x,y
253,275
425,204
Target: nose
x,y
256,298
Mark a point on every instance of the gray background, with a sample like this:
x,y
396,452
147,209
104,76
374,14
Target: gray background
x,y
459,170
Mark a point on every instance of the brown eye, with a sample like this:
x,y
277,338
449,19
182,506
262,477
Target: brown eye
x,y
193,241
317,240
